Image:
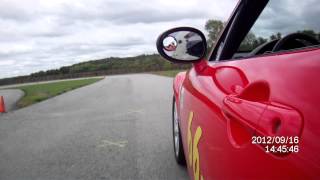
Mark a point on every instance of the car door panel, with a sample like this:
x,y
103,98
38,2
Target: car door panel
x,y
199,107
205,99
232,101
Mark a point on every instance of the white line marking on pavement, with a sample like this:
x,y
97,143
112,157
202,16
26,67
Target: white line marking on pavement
x,y
104,143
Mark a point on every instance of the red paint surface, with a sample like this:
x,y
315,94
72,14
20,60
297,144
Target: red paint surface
x,y
234,100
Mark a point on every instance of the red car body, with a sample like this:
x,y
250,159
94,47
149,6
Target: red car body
x,y
222,105
294,96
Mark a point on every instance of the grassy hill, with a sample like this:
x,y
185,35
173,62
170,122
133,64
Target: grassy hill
x,y
107,66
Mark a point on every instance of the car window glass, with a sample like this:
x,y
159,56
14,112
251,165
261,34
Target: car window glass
x,y
279,19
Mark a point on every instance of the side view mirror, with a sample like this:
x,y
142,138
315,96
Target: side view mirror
x,y
182,45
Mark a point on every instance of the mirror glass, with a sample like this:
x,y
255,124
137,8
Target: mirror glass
x,y
169,43
184,45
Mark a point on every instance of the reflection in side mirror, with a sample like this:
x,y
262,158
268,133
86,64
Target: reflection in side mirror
x,y
169,43
183,44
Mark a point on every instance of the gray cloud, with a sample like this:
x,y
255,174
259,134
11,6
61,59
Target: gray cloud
x,y
13,10
126,15
288,16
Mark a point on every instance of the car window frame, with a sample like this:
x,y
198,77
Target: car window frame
x,y
240,14
219,44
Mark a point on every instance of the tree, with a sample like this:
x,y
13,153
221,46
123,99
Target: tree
x,y
250,39
214,28
250,42
64,70
309,32
262,40
275,36
279,35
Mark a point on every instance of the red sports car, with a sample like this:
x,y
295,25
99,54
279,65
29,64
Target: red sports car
x,y
251,114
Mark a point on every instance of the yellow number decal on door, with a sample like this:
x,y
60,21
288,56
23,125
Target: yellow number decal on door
x,y
190,139
193,152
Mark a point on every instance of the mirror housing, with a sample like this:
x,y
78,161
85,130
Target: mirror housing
x,y
182,45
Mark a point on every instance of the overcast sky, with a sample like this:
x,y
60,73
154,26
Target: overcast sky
x,y
46,34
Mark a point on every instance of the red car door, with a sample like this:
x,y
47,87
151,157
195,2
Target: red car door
x,y
255,117
225,104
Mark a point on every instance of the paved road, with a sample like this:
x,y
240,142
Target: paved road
x,y
11,97
118,128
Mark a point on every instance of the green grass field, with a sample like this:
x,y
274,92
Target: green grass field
x,y
170,73
39,92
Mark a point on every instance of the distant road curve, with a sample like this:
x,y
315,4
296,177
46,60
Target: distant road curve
x,y
44,82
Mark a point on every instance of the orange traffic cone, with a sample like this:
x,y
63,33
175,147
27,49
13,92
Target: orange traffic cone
x,y
2,107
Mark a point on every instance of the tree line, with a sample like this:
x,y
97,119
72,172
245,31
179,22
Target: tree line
x,y
106,66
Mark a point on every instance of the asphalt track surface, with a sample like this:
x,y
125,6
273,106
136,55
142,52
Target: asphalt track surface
x,y
117,128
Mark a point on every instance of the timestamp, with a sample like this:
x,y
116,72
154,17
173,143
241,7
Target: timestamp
x,y
282,148
275,140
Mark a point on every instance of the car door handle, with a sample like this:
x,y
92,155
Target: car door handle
x,y
243,111
248,104
280,120
242,119
251,113
268,119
